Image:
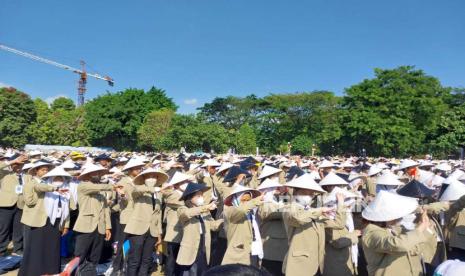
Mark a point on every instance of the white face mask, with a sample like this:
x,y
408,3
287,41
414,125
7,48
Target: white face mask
x,y
183,187
57,183
151,182
304,200
198,201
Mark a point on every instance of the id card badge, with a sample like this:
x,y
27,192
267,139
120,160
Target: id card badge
x,y
19,189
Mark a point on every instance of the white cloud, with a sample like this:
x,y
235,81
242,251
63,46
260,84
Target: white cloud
x,y
192,101
50,100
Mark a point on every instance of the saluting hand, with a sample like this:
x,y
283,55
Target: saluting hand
x,y
212,206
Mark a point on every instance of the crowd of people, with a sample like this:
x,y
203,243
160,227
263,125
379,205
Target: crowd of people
x,y
190,214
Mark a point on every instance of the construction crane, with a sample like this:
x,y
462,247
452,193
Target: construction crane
x,y
82,72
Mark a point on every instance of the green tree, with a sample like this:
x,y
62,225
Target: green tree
x,y
63,103
17,111
451,134
60,126
190,132
155,126
246,142
302,145
114,119
393,114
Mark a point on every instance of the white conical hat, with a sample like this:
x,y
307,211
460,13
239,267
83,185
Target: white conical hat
x,y
89,161
268,184
39,164
92,168
138,180
268,170
424,176
225,166
444,167
34,153
326,164
459,174
347,164
407,163
389,206
388,178
238,189
436,180
315,175
115,170
450,179
455,191
305,181
193,166
331,197
179,177
58,171
382,166
211,163
374,170
426,163
332,179
68,165
27,166
132,163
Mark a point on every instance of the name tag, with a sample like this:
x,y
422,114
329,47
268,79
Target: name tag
x,y
19,189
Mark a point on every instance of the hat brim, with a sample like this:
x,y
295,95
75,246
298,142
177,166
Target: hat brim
x,y
99,170
184,196
139,180
228,200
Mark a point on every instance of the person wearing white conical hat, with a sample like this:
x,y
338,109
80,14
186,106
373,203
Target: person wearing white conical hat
x,y
11,204
93,224
144,227
272,228
123,203
341,244
325,167
269,172
410,169
390,249
306,227
43,214
243,233
332,180
455,219
173,232
387,181
370,188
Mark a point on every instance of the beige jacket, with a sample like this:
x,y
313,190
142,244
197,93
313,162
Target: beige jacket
x,y
34,214
144,217
191,238
239,232
94,212
8,195
173,232
392,252
273,232
306,236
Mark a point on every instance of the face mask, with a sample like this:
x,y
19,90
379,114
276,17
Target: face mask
x,y
151,182
57,183
269,196
199,201
304,200
183,187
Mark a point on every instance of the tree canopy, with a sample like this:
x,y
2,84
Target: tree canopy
x,y
399,112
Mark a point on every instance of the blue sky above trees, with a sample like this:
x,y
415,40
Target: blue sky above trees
x,y
197,50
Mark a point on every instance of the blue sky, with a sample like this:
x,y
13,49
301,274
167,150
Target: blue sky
x,y
200,49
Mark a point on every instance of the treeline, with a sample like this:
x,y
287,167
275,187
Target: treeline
x,y
400,112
